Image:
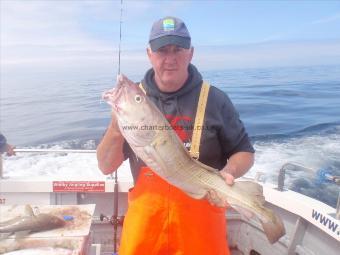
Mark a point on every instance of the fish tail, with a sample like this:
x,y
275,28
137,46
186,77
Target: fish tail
x,y
273,227
272,224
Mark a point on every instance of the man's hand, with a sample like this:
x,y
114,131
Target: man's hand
x,y
212,195
114,124
110,149
229,178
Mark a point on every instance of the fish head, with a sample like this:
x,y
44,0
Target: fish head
x,y
132,109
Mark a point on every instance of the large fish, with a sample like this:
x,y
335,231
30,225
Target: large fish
x,y
30,222
155,142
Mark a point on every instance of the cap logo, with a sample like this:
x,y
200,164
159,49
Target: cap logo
x,y
168,25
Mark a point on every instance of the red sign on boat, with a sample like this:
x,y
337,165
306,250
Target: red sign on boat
x,y
78,186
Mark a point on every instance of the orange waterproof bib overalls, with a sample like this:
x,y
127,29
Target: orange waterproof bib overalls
x,y
163,220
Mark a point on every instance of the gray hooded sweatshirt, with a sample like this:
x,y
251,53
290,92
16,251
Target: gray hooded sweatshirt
x,y
223,133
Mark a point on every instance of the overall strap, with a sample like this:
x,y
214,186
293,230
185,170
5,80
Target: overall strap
x,y
142,88
199,118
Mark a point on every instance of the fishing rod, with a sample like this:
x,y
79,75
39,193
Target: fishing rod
x,y
115,200
120,34
114,219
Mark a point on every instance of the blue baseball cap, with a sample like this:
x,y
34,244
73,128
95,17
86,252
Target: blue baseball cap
x,y
169,30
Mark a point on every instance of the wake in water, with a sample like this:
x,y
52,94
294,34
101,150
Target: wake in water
x,y
60,165
315,148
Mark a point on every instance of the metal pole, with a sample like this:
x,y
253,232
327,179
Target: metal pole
x,y
1,172
337,215
53,151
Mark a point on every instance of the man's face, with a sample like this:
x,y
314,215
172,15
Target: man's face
x,y
170,64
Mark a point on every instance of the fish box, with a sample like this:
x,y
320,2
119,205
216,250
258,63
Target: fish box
x,y
73,238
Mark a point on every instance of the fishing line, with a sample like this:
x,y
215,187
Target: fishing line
x,y
120,34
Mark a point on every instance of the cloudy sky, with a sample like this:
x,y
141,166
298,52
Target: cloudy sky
x,y
83,36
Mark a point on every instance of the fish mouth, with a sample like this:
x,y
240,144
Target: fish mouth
x,y
112,95
118,96
116,108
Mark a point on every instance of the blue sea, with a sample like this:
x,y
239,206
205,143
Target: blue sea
x,y
292,114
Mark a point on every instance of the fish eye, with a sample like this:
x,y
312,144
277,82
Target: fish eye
x,y
138,98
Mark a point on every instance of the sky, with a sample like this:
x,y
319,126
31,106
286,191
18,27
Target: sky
x,y
83,36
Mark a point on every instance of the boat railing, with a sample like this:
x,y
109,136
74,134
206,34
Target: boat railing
x,y
53,151
321,176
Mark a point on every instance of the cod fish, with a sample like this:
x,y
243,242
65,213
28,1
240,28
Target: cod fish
x,y
23,225
155,142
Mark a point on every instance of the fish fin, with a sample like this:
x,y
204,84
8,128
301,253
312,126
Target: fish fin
x,y
274,229
21,234
159,166
4,235
272,224
29,211
244,212
251,188
196,195
151,152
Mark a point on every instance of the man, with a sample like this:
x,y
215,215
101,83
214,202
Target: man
x,y
5,147
161,219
